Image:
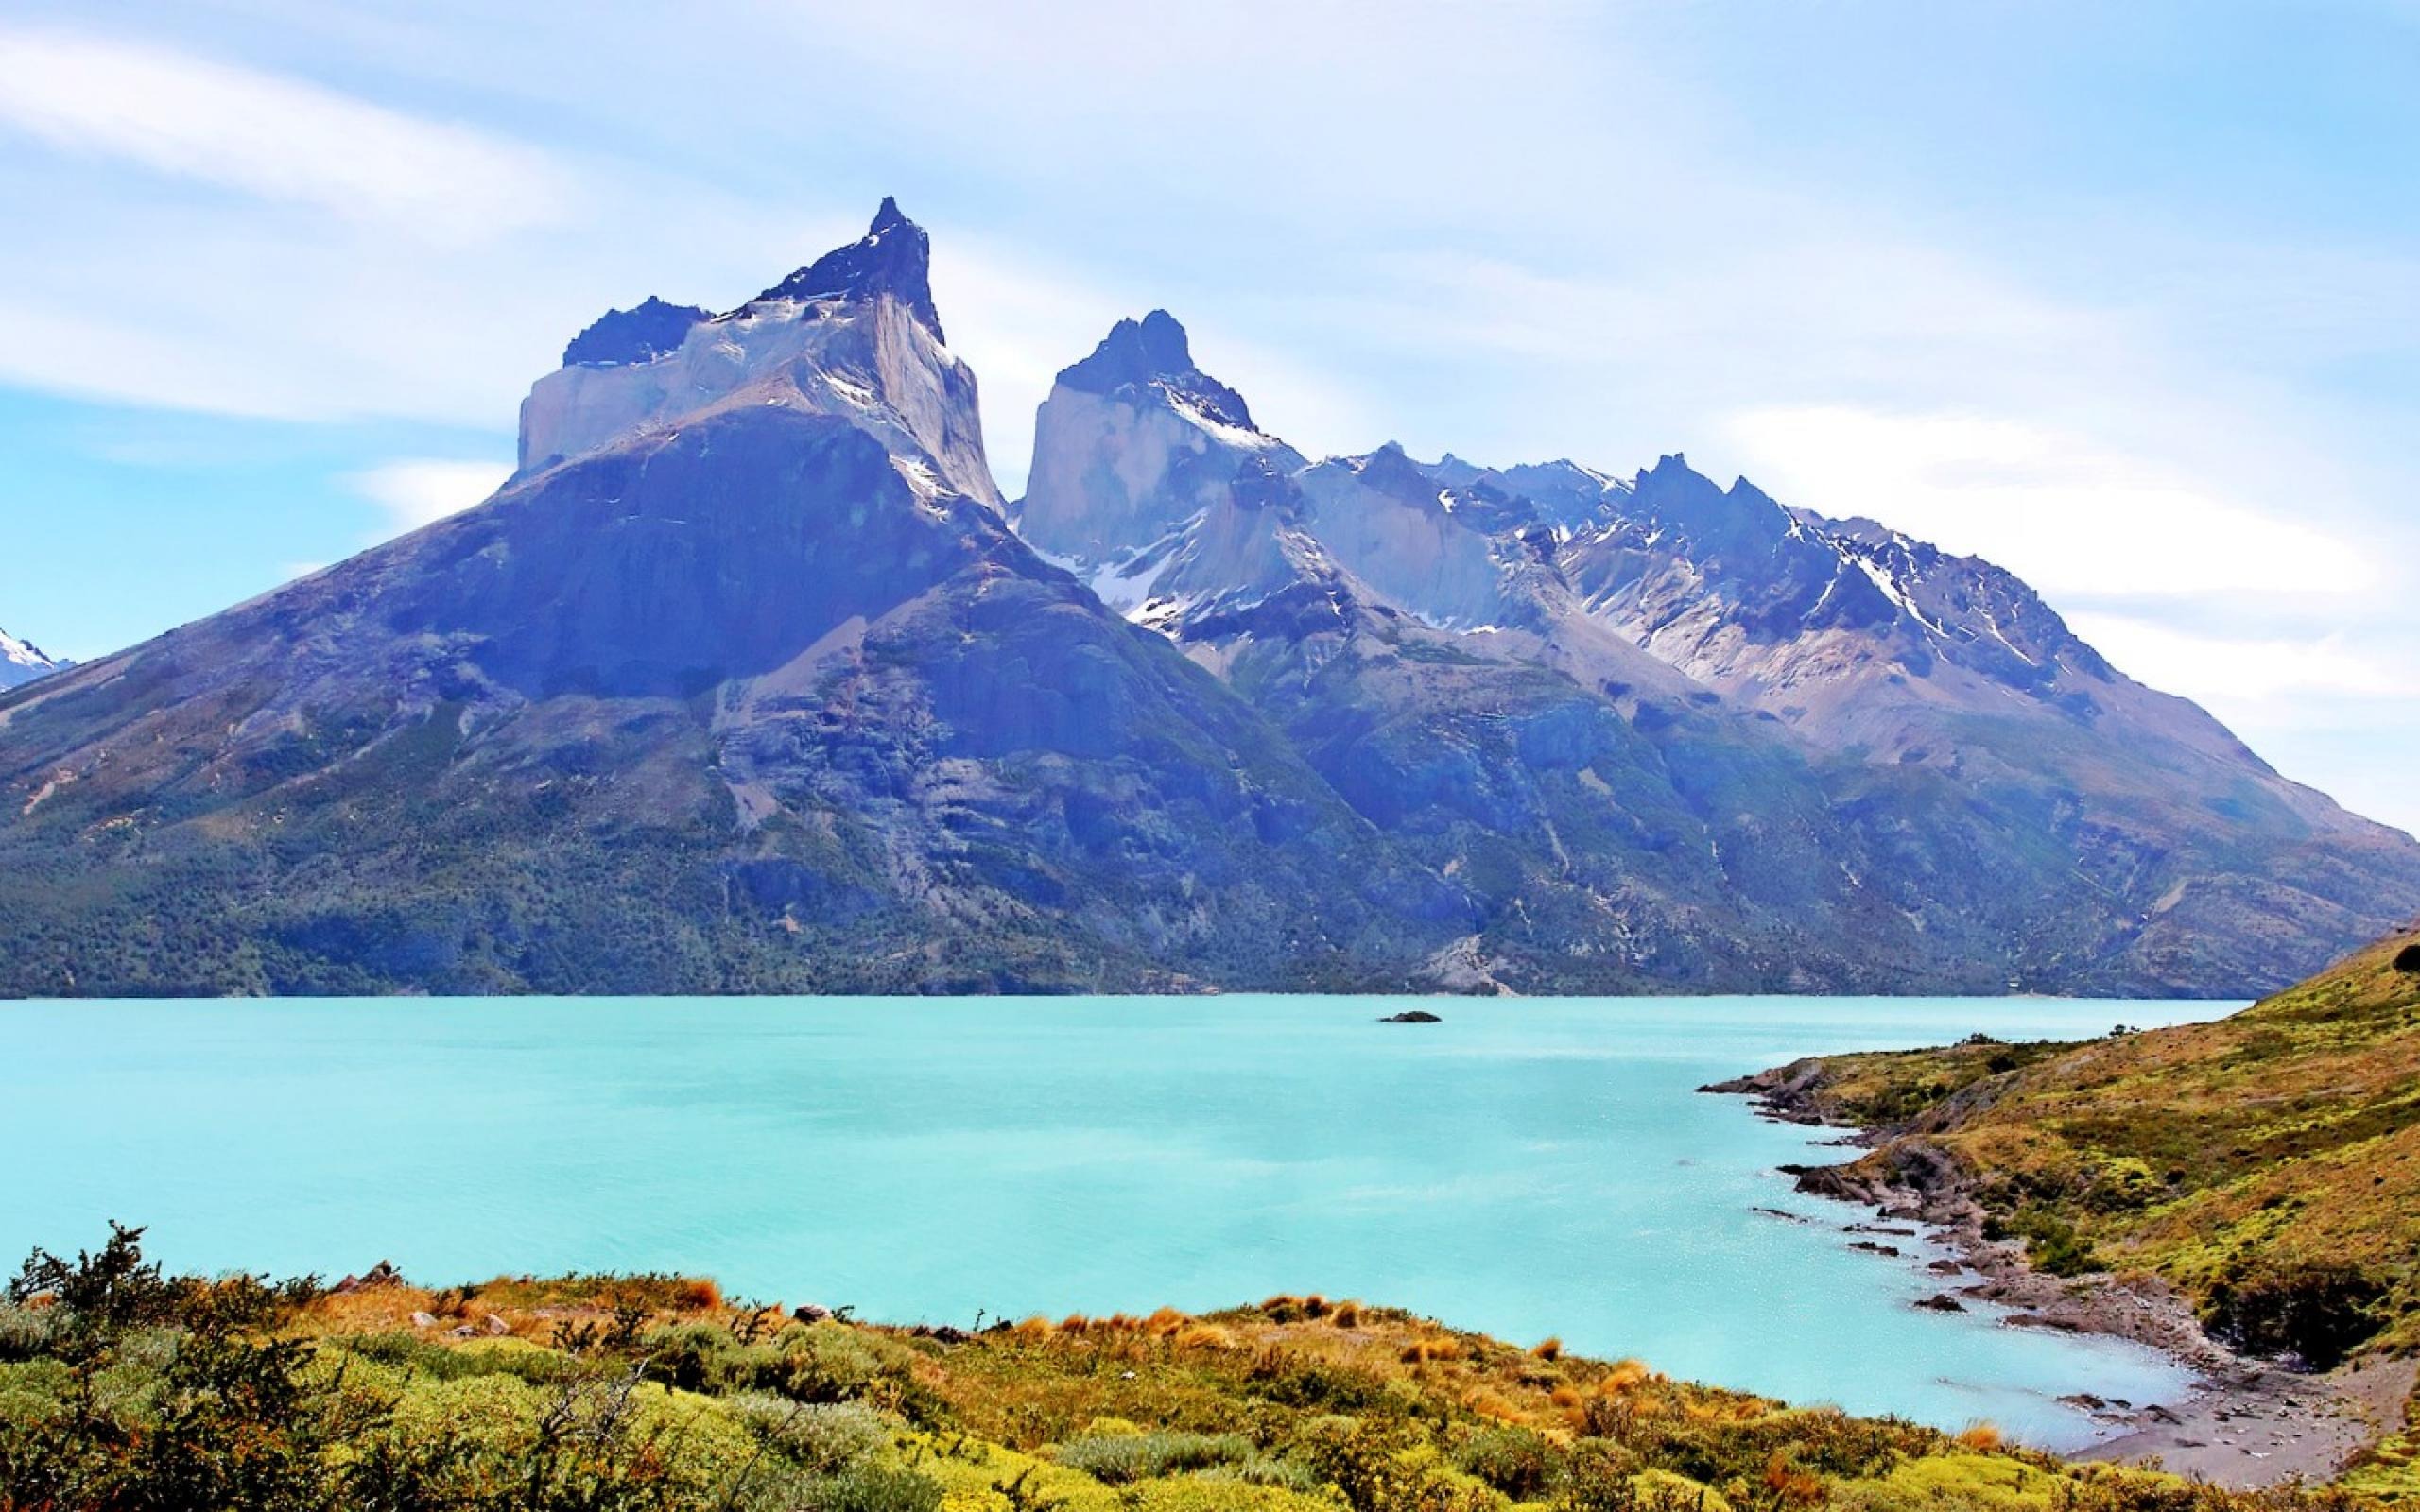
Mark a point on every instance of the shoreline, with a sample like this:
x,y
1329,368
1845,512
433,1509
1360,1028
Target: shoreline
x,y
2246,1423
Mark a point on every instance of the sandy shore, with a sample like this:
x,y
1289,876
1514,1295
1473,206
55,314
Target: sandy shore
x,y
2246,1423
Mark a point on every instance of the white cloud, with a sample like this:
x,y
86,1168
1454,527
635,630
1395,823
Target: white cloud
x,y
419,492
2066,514
273,138
2233,670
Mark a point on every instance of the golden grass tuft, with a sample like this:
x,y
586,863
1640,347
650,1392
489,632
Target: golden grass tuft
x,y
1549,1348
1035,1329
1625,1377
1346,1315
1074,1323
695,1293
1567,1397
1979,1436
1166,1322
1205,1337
1491,1403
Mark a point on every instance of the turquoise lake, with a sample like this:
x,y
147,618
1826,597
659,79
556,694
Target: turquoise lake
x,y
1527,1167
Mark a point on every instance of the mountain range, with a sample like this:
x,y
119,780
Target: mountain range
x,y
751,679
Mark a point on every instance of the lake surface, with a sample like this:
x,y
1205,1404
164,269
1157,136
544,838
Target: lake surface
x,y
1527,1167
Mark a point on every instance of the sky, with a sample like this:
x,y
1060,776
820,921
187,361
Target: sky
x,y
2126,299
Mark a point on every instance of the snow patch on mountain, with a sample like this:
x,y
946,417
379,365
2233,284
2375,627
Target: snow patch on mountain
x,y
21,661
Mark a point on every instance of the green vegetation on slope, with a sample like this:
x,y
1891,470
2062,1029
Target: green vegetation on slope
x,y
2267,1165
124,1388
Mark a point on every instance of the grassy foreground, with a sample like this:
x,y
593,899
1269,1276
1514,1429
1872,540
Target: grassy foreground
x,y
2267,1165
124,1388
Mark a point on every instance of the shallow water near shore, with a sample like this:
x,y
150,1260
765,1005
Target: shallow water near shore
x,y
1527,1167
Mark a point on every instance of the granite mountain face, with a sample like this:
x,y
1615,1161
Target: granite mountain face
x,y
751,680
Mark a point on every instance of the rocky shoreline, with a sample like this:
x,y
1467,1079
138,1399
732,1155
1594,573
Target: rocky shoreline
x,y
2247,1423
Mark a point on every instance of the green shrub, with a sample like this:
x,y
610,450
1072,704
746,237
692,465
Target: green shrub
x,y
2053,1246
832,1362
2316,1313
1514,1460
410,1355
1268,1470
825,1437
873,1489
1123,1458
703,1357
25,1332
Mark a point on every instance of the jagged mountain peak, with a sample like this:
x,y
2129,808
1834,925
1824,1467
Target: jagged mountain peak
x,y
1155,351
640,334
894,257
852,336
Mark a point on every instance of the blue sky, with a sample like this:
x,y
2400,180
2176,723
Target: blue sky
x,y
2125,298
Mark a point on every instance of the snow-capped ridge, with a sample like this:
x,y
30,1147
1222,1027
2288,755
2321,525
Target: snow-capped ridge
x,y
22,661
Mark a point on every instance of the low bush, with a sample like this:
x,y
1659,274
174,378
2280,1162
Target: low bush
x,y
1514,1460
1121,1459
2315,1314
825,1438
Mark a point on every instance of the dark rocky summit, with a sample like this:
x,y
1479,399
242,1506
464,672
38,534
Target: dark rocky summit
x,y
641,333
894,260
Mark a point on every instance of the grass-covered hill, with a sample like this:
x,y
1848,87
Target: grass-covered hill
x,y
2266,1166
123,1388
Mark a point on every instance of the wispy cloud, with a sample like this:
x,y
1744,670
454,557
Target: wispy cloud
x,y
270,137
2068,515
421,491
2228,671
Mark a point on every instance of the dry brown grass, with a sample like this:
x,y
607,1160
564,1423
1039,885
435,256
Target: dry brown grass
x,y
1978,1436
1549,1348
1203,1336
1346,1315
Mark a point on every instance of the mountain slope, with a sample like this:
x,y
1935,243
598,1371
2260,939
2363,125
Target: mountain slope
x,y
748,693
1885,650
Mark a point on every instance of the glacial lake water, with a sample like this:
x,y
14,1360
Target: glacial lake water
x,y
1526,1167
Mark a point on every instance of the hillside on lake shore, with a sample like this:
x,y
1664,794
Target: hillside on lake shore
x,y
122,1388
2262,1171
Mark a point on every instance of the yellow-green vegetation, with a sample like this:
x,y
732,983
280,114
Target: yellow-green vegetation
x,y
122,1388
2267,1165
